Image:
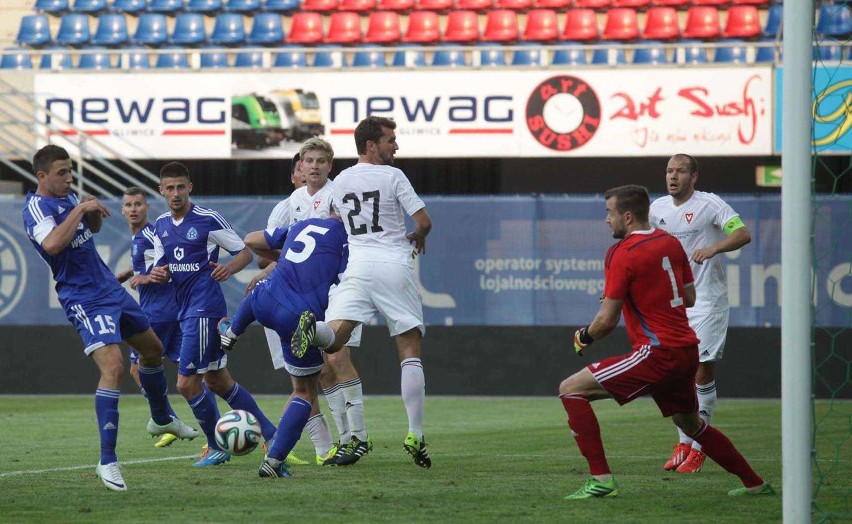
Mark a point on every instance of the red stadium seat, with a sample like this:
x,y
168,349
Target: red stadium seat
x,y
592,4
475,5
435,5
542,26
635,4
622,23
517,5
764,3
383,28
357,6
716,3
661,23
559,5
702,22
395,5
319,5
743,22
344,27
670,3
306,28
462,26
580,25
501,25
423,27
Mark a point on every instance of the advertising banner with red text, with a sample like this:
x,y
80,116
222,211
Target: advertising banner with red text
x,y
507,113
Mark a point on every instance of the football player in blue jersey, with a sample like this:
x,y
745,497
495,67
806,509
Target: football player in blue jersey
x,y
312,255
186,249
158,301
61,227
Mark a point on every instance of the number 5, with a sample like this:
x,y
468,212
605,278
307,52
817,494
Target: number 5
x,y
305,238
677,300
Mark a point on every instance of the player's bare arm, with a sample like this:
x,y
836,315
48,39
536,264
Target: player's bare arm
x,y
737,239
124,276
422,227
256,241
603,324
95,217
63,234
142,280
159,275
261,275
689,294
222,272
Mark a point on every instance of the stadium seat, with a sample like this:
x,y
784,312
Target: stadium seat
x,y
558,5
306,28
228,29
661,23
189,29
357,6
774,18
435,5
369,59
691,52
462,26
515,5
16,58
655,54
766,52
57,60
409,55
383,28
328,56
97,60
168,7
111,31
492,56
501,25
834,20
151,30
343,28
633,4
454,57
130,7
423,27
702,22
91,7
34,31
51,7
134,57
827,52
293,59
570,53
73,29
611,53
670,3
580,25
176,58
322,6
542,26
732,53
529,54
207,7
213,57
249,59
474,5
715,3
743,22
281,6
758,3
592,4
242,6
622,23
396,5
266,29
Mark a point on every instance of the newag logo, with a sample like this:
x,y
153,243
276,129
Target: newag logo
x,y
150,110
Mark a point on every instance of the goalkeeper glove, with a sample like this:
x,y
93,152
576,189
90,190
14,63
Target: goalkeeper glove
x,y
582,339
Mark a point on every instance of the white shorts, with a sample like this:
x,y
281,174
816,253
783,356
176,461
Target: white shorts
x,y
275,351
712,330
384,287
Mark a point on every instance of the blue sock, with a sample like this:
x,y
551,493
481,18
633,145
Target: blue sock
x,y
171,411
243,318
207,414
290,428
106,409
156,389
239,398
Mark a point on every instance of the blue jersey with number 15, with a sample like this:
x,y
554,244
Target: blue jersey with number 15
x,y
314,253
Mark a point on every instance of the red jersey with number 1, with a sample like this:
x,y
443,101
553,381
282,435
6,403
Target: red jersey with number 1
x,y
648,271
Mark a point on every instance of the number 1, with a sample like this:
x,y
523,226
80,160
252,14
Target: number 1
x,y
677,300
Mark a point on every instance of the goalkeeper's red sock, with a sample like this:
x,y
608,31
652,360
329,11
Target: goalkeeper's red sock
x,y
587,432
717,446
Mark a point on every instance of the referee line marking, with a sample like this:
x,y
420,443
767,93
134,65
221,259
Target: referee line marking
x,y
73,468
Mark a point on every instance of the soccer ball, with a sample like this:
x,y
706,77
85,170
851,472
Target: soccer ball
x,y
238,432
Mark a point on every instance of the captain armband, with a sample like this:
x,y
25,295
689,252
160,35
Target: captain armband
x,y
732,225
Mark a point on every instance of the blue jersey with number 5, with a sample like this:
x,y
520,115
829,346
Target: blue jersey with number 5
x,y
314,253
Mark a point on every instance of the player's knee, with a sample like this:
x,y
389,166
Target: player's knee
x,y
566,387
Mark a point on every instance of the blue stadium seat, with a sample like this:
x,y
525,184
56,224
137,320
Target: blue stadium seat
x,y
766,52
610,55
189,29
266,29
135,57
282,6
533,56
691,53
204,6
52,7
130,7
570,53
369,59
98,60
774,17
16,58
228,29
492,55
654,55
409,55
834,20
290,59
91,7
169,7
328,56
242,6
34,31
151,30
57,60
177,58
214,57
112,30
73,29
253,59
454,57
827,52
730,55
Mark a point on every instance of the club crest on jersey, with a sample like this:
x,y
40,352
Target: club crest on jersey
x,y
316,204
192,234
688,217
179,253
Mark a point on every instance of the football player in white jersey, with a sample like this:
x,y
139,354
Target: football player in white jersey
x,y
706,226
339,379
371,197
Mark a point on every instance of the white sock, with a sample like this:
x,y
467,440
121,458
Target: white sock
x,y
324,337
320,434
354,407
683,439
413,385
337,406
706,405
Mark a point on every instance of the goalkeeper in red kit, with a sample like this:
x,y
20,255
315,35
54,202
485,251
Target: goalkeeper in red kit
x,y
648,279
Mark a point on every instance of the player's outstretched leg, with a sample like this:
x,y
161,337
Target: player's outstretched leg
x,y
304,334
290,428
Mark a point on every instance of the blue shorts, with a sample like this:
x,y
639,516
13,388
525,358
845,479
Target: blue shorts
x,y
200,350
108,320
170,335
